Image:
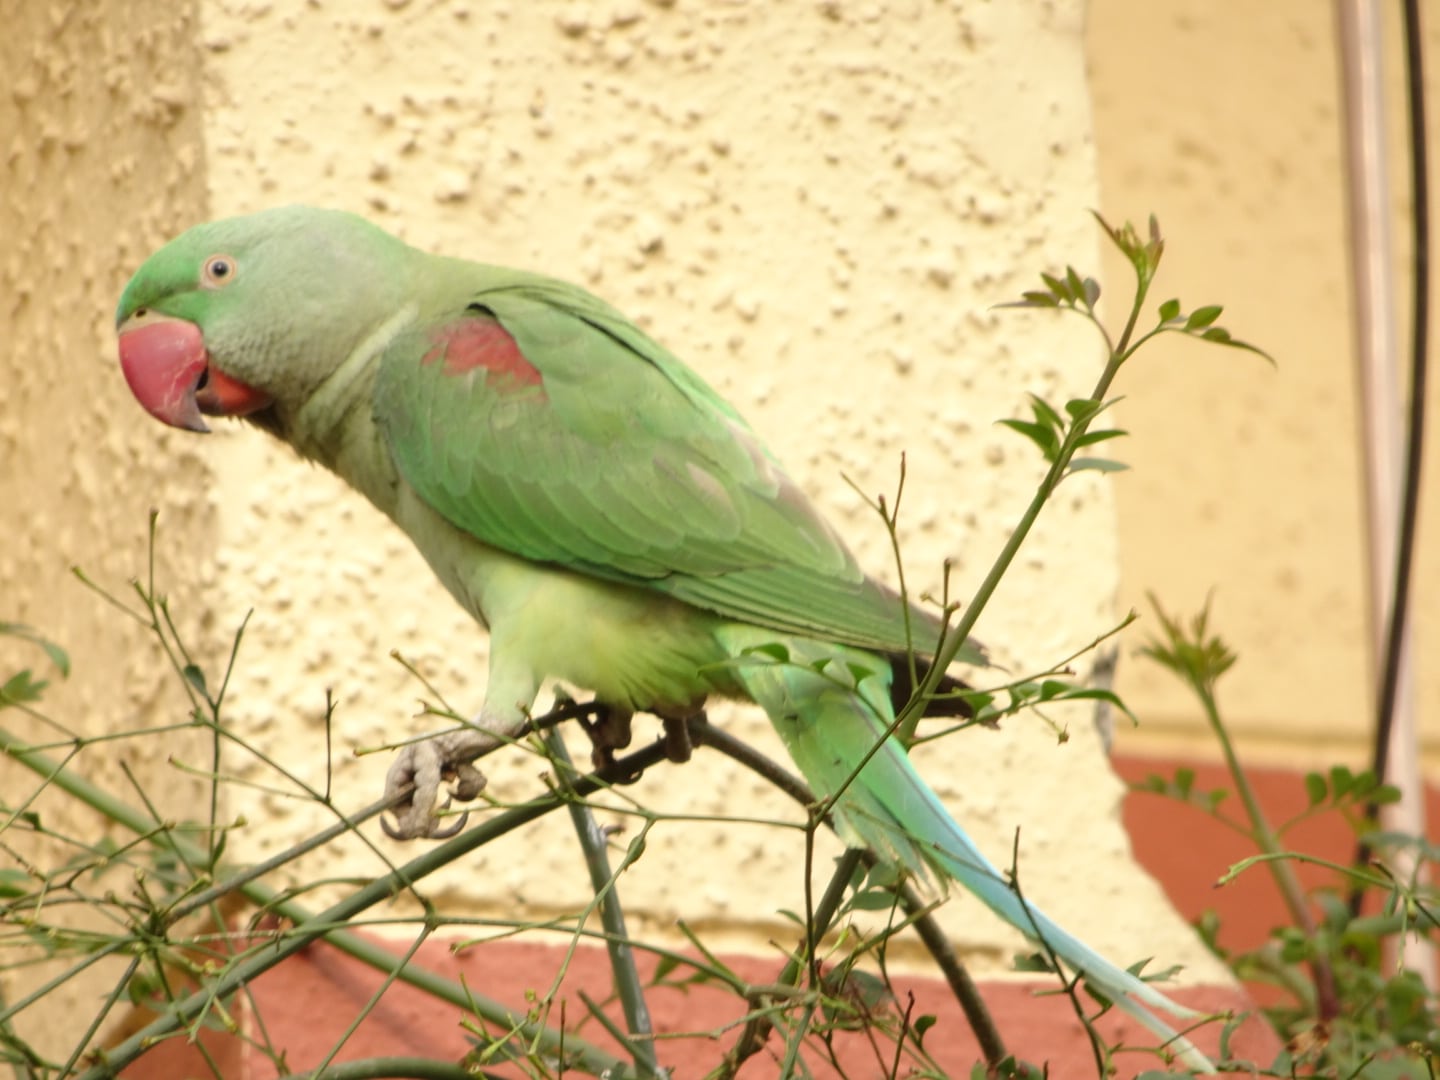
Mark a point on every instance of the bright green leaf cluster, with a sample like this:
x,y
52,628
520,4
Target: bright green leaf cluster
x,y
1181,787
1058,435
1071,290
1200,323
1192,652
1342,787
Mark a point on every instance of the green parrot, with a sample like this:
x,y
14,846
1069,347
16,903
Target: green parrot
x,y
607,516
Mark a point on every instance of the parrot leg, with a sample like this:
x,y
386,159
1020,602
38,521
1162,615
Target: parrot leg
x,y
447,758
678,745
609,730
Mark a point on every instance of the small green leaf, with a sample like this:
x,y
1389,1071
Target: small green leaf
x,y
196,678
1035,298
1044,413
976,699
1043,437
1074,282
921,1025
1342,780
1058,289
1184,781
22,688
1028,962
1202,317
1102,465
873,900
1219,335
1385,794
1021,692
1315,788
57,655
1050,689
1098,995
1082,409
1169,310
14,883
1092,437
1095,693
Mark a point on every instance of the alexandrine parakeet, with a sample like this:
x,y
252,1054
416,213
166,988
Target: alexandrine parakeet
x,y
584,495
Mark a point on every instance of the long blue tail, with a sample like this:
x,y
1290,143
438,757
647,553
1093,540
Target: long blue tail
x,y
830,705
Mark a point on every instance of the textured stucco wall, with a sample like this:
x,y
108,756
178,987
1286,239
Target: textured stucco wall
x,y
815,205
1247,477
102,159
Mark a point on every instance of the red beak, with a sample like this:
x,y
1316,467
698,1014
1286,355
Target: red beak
x,y
169,371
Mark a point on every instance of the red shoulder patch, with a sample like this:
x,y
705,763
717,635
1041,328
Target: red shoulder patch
x,y
479,342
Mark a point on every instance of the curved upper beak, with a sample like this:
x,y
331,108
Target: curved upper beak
x,y
168,368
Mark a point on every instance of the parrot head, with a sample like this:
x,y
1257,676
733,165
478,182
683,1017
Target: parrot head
x,y
251,314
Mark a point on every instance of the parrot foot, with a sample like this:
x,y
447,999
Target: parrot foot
x,y
609,730
426,765
678,744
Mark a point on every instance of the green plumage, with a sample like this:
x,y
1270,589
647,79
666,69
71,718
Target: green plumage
x,y
622,465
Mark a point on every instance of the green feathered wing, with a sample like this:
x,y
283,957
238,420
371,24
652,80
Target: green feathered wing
x,y
571,438
615,460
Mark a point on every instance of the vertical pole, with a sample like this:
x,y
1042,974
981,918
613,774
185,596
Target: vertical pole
x,y
1368,195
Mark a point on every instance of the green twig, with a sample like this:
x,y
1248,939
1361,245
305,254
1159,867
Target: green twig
x,y
1199,659
395,1068
308,927
628,985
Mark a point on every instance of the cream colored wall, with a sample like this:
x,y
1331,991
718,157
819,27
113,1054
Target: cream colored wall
x,y
103,158
1246,477
815,205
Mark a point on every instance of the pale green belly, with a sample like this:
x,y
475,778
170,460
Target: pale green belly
x,y
629,646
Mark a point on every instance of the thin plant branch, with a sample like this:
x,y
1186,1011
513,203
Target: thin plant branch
x,y
628,984
327,924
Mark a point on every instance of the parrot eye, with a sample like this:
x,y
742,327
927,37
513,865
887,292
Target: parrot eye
x,y
218,270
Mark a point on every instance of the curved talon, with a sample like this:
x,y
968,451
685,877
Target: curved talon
x,y
441,764
436,833
430,831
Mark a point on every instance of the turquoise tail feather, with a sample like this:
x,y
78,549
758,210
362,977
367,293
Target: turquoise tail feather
x,y
830,705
